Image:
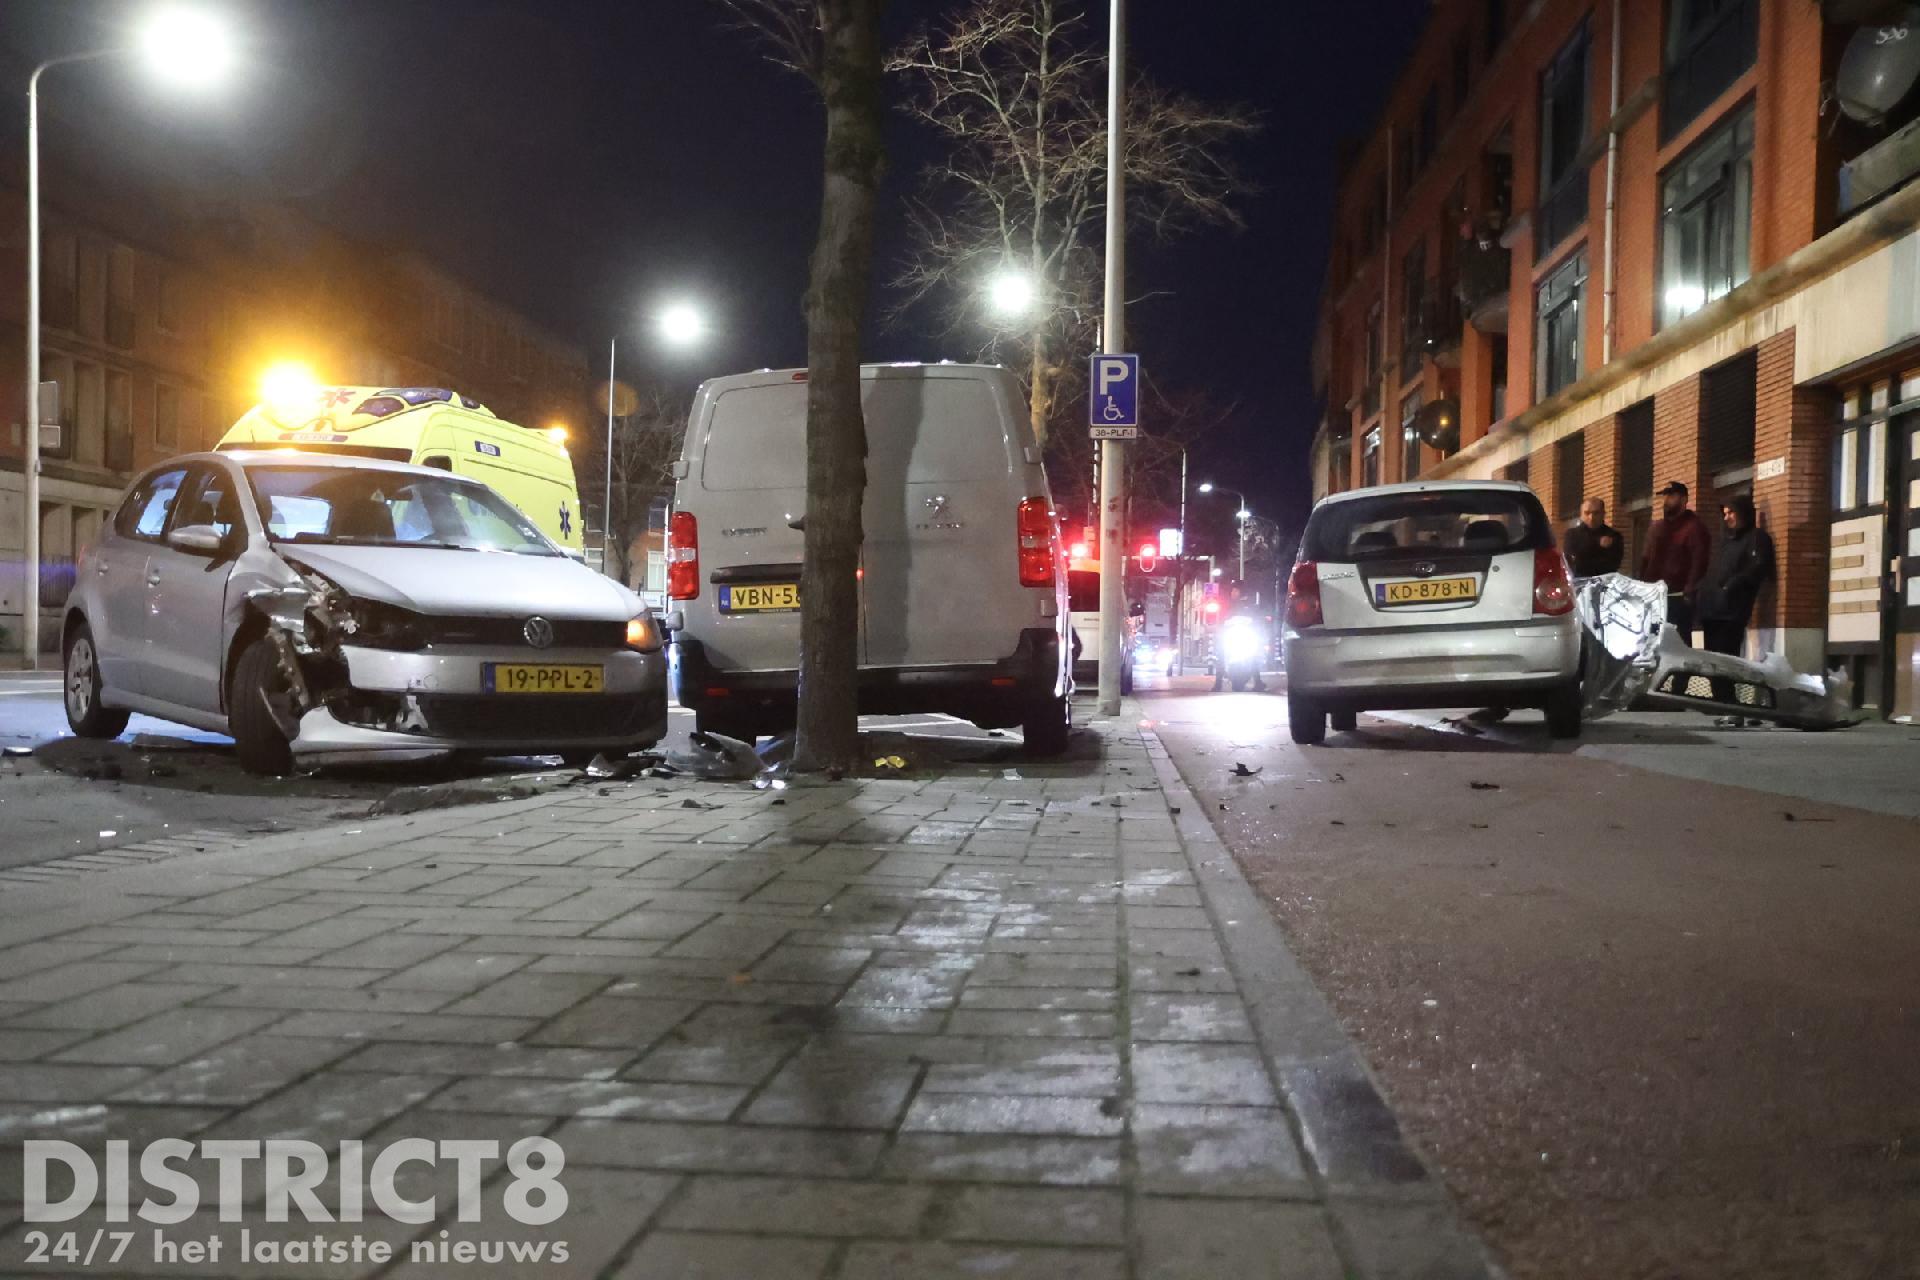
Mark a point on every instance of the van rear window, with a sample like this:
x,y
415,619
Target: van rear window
x,y
1474,521
1083,591
927,430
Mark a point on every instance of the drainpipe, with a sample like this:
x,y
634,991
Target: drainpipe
x,y
1613,190
1387,354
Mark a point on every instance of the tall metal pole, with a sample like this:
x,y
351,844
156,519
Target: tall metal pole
x,y
606,510
30,470
1113,453
1180,571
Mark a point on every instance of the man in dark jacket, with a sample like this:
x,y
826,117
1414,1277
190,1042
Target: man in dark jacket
x,y
1742,564
1593,546
1678,548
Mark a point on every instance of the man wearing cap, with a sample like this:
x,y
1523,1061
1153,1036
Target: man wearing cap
x,y
1678,548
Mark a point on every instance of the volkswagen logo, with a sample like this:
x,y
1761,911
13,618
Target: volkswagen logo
x,y
538,632
1422,570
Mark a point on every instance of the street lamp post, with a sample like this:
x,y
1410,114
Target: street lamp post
x,y
1243,515
180,43
678,325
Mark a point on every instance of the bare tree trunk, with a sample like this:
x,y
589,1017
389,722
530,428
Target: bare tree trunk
x,y
1040,390
849,79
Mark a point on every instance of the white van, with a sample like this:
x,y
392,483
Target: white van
x,y
962,581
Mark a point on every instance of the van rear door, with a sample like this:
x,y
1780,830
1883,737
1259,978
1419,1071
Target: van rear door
x,y
945,477
752,472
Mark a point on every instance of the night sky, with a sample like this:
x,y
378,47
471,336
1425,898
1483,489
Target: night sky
x,y
585,160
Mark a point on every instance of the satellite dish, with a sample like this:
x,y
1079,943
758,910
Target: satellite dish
x,y
1879,68
1438,425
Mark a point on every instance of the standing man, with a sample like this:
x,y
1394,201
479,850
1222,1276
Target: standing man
x,y
1678,549
1593,546
1742,565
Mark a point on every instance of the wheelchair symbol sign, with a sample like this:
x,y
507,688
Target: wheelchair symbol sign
x,y
1113,398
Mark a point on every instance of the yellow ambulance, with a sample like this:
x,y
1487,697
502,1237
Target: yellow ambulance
x,y
430,427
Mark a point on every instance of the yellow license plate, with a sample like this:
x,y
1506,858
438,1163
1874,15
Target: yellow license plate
x,y
1426,591
767,597
544,677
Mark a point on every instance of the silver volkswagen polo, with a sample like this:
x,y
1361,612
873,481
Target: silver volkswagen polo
x,y
325,609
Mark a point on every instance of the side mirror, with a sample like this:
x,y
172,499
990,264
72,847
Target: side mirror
x,y
197,540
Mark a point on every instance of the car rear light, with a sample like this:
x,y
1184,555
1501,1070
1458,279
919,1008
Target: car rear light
x,y
1036,543
1303,595
683,556
1552,585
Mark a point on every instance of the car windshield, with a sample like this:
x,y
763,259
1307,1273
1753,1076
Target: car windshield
x,y
376,507
1427,522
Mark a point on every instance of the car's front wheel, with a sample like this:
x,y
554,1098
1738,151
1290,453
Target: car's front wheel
x,y
1563,711
258,740
1306,720
86,714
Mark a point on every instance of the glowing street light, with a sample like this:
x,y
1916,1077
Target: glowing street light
x,y
1010,294
185,47
188,48
681,325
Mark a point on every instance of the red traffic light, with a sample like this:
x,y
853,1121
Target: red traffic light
x,y
1212,609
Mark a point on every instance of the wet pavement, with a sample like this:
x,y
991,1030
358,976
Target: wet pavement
x,y
993,1016
1645,1024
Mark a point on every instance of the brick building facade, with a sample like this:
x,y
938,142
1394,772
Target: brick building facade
x,y
1597,245
159,313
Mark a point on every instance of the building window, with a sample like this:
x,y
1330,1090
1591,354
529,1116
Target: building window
x,y
1496,28
1410,436
166,414
1428,137
1557,327
1462,70
1370,459
1859,466
172,303
1516,472
1370,393
120,324
1710,44
89,413
1413,292
119,420
1340,463
1569,474
1563,136
1706,214
1635,436
1728,400
59,280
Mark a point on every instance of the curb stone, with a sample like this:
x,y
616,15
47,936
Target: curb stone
x,y
1393,1216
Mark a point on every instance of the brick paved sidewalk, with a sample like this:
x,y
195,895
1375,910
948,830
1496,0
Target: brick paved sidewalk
x,y
1012,1020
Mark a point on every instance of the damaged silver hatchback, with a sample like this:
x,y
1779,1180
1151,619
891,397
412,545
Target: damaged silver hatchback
x,y
325,609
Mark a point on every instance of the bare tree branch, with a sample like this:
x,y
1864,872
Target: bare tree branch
x,y
789,30
1014,92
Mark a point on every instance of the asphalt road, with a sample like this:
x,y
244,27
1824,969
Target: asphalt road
x,y
1646,1025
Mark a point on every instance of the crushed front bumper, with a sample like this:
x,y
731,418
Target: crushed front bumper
x,y
418,705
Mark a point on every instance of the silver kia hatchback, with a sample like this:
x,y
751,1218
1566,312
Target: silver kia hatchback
x,y
326,609
1437,594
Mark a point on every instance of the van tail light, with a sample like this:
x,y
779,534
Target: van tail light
x,y
1303,595
1036,543
683,556
1552,585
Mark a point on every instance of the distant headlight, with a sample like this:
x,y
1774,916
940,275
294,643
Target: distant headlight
x,y
643,633
1240,642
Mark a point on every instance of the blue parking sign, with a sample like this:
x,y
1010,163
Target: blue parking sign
x,y
1113,399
